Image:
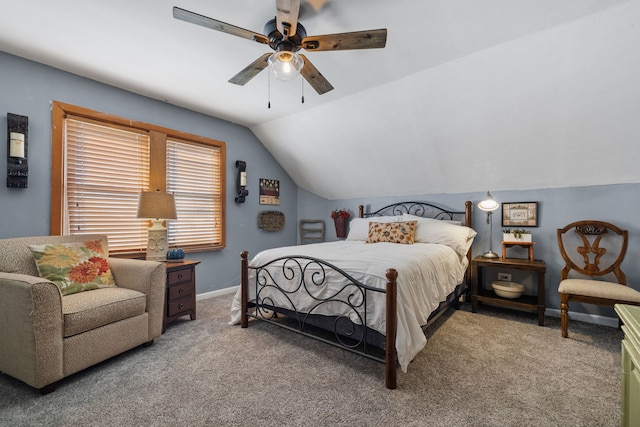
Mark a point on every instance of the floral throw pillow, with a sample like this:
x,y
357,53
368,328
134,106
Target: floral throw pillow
x,y
74,267
392,232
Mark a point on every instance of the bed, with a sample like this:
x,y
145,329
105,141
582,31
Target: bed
x,y
373,293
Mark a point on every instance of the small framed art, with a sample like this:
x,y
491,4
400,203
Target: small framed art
x,y
520,214
269,191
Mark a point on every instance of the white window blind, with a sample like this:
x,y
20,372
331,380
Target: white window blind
x,y
106,167
194,175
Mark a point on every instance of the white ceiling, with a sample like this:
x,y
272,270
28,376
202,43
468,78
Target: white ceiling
x,y
468,95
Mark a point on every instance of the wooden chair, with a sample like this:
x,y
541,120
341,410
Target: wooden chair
x,y
583,252
311,231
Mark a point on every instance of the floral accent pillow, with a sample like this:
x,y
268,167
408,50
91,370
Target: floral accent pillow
x,y
392,232
359,227
74,267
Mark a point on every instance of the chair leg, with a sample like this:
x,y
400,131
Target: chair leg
x,y
48,388
564,314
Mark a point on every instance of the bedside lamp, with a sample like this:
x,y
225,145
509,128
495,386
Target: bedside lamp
x,y
156,206
489,205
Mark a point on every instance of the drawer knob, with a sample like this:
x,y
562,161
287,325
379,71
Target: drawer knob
x,y
179,275
181,291
181,306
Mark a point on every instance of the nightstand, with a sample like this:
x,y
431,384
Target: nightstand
x,y
180,295
525,302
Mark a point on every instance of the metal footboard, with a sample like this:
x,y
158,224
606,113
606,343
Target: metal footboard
x,y
322,285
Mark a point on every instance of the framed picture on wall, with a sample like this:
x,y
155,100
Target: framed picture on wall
x,y
269,191
520,214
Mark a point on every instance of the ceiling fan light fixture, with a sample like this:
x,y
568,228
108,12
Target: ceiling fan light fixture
x,y
285,35
286,65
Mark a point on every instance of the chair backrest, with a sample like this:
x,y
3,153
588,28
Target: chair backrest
x,y
15,256
311,231
593,243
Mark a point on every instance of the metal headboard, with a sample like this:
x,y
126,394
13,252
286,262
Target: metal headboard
x,y
421,209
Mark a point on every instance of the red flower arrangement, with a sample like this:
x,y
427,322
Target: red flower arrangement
x,y
340,213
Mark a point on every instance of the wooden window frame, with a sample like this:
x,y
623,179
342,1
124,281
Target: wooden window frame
x,y
157,176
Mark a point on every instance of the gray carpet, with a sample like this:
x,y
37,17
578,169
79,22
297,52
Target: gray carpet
x,y
492,368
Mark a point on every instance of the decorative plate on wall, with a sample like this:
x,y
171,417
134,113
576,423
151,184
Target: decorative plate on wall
x,y
271,220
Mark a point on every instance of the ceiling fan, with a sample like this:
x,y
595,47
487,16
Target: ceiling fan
x,y
286,36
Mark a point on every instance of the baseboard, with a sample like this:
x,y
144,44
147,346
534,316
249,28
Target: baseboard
x,y
217,293
584,317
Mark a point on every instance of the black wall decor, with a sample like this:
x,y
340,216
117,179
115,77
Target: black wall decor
x,y
241,181
17,148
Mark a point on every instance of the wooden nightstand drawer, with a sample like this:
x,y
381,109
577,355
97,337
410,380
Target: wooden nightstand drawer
x,y
183,275
179,291
180,306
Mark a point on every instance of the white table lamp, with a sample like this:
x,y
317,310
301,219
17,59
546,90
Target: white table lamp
x,y
157,206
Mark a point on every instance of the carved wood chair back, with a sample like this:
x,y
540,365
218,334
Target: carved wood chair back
x,y
591,234
595,249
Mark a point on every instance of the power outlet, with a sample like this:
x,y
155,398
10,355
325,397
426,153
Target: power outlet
x,y
504,276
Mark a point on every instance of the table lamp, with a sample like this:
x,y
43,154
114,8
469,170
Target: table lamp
x,y
157,206
489,205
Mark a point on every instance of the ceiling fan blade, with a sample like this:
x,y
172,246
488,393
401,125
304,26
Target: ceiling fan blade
x,y
287,16
214,24
371,39
250,71
314,77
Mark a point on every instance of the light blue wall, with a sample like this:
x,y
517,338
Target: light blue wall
x,y
27,88
618,204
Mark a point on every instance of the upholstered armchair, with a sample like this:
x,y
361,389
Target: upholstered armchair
x,y
46,336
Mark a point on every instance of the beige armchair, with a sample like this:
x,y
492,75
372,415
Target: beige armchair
x,y
45,336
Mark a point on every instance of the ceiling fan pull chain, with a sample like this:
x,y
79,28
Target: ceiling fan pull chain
x,y
269,90
302,80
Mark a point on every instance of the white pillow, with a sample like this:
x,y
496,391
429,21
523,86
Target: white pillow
x,y
457,237
359,227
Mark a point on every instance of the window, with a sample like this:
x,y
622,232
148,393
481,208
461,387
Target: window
x,y
100,198
193,176
100,163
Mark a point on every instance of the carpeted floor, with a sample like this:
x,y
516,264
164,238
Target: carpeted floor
x,y
492,368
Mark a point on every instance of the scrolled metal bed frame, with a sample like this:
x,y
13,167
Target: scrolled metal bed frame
x,y
308,275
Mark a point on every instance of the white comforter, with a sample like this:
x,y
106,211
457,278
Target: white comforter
x,y
427,273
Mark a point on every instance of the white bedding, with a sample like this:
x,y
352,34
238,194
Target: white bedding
x,y
427,273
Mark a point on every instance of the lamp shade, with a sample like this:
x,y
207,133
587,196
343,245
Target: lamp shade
x,y
156,204
286,65
488,204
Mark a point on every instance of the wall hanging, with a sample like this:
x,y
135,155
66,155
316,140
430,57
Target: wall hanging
x,y
341,220
17,145
269,191
271,220
241,181
520,214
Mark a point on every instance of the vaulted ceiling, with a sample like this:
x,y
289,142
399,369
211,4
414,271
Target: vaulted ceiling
x,y
466,96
